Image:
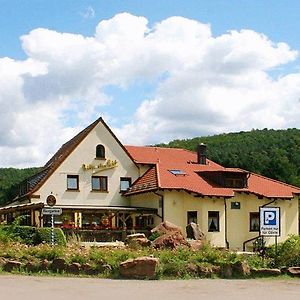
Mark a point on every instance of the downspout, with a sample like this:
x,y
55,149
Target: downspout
x,y
162,205
226,237
268,203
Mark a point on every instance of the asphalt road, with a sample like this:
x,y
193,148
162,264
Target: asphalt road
x,y
55,288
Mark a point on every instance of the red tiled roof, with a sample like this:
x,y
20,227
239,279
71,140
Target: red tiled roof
x,y
145,183
166,159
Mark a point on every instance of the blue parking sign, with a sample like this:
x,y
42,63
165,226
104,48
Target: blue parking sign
x,y
269,221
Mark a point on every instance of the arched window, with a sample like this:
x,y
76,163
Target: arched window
x,y
100,151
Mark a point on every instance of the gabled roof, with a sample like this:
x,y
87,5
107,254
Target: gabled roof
x,y
36,181
187,175
146,183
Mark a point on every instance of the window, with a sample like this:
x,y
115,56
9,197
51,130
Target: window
x,y
191,217
235,205
213,221
100,152
99,183
73,182
177,172
125,183
254,221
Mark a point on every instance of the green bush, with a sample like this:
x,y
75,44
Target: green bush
x,y
5,237
288,252
43,235
24,234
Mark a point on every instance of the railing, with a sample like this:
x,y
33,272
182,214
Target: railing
x,y
105,235
250,240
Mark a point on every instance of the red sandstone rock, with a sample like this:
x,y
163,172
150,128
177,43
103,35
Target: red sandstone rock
x,y
139,268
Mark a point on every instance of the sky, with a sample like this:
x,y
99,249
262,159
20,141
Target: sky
x,y
154,70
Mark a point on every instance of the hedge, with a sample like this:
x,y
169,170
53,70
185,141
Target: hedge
x,y
43,235
25,234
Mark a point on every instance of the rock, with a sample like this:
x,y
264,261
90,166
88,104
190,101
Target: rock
x,y
192,269
241,268
2,261
294,271
59,265
195,245
166,227
266,272
88,269
74,268
44,265
137,239
193,232
226,271
171,240
208,271
135,236
139,268
12,265
31,267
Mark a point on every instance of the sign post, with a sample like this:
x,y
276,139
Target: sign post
x,y
270,222
51,201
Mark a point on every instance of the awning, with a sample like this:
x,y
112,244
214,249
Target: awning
x,y
81,208
114,209
20,207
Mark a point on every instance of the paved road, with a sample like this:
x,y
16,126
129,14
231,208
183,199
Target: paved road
x,y
54,288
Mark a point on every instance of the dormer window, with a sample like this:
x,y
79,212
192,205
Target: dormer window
x,y
100,152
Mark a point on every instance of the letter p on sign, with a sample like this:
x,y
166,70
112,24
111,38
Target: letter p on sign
x,y
269,217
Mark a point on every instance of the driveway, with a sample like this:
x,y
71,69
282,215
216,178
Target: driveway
x,y
62,288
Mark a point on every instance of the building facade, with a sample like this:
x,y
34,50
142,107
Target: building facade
x,y
100,184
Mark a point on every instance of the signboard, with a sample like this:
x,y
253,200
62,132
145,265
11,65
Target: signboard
x,y
269,221
51,200
52,211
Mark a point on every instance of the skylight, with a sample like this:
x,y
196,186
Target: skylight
x,y
177,172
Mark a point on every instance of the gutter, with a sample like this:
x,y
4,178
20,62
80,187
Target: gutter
x,y
226,235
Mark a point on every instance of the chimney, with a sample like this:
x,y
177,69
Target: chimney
x,y
201,154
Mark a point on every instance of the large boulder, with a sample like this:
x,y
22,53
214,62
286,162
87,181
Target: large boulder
x,y
139,268
193,232
166,227
170,236
171,240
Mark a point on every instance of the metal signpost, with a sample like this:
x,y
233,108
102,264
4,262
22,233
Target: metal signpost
x,y
270,222
51,201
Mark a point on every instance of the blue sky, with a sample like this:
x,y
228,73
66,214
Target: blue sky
x,y
196,75
278,19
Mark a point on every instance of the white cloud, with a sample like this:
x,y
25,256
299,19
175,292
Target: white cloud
x,y
206,84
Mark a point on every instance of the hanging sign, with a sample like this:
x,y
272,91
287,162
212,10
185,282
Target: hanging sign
x,y
109,164
269,221
51,200
52,211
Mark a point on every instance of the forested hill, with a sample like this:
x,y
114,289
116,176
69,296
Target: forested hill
x,y
273,153
10,177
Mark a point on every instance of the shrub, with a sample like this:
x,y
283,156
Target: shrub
x,y
44,235
154,236
23,234
288,252
5,237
